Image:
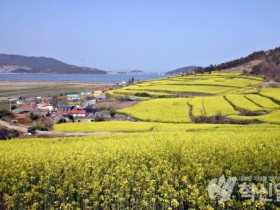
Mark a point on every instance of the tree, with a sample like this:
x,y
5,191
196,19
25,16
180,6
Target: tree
x,y
112,113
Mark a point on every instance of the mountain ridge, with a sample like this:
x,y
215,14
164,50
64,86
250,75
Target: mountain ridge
x,y
185,69
33,64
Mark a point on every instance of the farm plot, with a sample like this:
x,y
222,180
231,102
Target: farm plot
x,y
273,117
160,110
240,101
210,90
159,170
211,106
142,93
271,92
263,102
113,126
223,81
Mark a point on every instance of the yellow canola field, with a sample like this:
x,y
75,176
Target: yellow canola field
x,y
271,92
183,88
272,117
263,102
211,106
242,102
159,170
160,110
126,126
205,84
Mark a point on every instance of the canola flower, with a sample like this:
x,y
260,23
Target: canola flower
x,y
159,170
215,83
160,110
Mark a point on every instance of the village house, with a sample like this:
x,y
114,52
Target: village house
x,y
73,97
74,113
99,95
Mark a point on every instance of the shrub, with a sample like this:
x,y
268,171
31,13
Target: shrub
x,y
5,114
13,107
33,116
112,113
8,134
99,119
142,94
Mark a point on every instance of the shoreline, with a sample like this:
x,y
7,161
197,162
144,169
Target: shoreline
x,y
55,82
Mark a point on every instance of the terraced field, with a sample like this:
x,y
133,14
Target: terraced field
x,y
206,84
240,101
273,93
211,106
206,89
130,127
173,110
262,102
236,107
229,95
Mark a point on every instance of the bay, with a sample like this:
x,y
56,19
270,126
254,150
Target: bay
x,y
104,78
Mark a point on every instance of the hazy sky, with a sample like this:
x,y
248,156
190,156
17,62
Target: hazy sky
x,y
150,35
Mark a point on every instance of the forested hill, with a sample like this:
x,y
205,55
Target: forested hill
x,y
186,69
24,64
265,63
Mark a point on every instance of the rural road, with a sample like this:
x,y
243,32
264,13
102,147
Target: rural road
x,y
23,129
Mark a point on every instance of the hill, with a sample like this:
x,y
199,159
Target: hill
x,y
24,64
137,72
266,63
183,70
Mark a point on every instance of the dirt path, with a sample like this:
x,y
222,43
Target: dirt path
x,y
23,129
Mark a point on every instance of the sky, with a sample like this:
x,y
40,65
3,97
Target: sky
x,y
148,35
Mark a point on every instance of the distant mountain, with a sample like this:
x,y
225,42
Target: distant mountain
x,y
127,72
183,70
137,72
24,64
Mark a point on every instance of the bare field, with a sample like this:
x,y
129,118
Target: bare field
x,y
115,104
44,88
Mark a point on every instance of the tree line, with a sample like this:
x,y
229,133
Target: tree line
x,y
269,67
